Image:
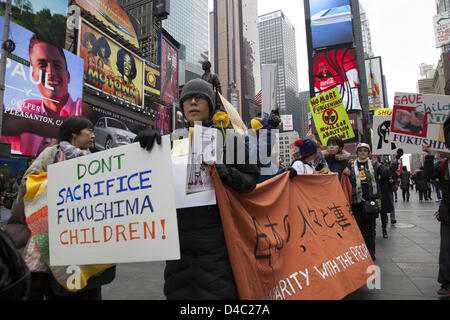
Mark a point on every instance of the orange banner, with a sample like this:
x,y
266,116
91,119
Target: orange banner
x,y
293,239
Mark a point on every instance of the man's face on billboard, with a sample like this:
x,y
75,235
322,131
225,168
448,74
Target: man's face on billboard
x,y
47,62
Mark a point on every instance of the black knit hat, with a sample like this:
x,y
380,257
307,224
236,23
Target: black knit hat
x,y
199,87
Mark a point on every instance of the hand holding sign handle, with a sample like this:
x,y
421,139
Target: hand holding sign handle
x,y
426,149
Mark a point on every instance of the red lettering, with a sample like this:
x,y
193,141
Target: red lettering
x,y
152,232
133,231
104,233
119,226
73,237
84,232
93,236
60,238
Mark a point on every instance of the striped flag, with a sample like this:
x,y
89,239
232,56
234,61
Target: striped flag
x,y
258,98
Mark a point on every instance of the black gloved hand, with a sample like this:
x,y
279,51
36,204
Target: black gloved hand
x,y
399,153
224,173
146,138
292,172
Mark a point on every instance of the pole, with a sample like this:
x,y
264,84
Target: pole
x,y
3,58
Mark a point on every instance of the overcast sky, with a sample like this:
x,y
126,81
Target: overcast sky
x,y
402,34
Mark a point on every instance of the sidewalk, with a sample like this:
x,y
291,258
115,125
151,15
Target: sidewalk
x,y
408,259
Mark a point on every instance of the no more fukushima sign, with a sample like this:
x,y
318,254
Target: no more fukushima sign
x,y
113,206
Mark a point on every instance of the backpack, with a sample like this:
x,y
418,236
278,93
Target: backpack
x,y
14,273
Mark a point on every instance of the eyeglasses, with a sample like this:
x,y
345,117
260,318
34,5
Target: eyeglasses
x,y
196,96
363,149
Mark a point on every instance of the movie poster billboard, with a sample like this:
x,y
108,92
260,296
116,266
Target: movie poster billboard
x,y
338,68
152,79
41,89
112,15
331,22
169,70
110,68
44,17
111,129
374,77
162,119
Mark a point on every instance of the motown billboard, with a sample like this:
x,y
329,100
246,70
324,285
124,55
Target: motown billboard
x,y
43,85
113,16
338,68
108,67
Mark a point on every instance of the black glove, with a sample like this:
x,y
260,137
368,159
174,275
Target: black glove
x,y
292,172
399,153
224,173
147,137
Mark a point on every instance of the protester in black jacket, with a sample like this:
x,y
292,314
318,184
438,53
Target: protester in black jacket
x,y
440,170
336,157
204,270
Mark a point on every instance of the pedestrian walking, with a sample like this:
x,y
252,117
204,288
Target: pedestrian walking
x,y
405,178
422,184
204,269
366,193
437,188
75,138
440,171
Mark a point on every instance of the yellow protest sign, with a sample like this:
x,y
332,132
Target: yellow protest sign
x,y
330,117
383,112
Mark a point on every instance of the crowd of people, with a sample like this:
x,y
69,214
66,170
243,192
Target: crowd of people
x,y
204,269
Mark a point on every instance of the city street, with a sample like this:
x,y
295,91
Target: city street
x,y
408,261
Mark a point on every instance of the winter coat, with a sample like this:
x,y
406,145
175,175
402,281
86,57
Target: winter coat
x,y
433,171
405,177
387,197
421,181
337,163
380,172
204,270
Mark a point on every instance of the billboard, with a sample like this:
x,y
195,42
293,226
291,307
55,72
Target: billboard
x,y
42,87
111,129
44,17
112,15
162,119
152,79
374,76
338,68
168,57
110,68
331,22
442,28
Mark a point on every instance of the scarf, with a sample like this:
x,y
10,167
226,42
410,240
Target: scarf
x,y
69,151
358,178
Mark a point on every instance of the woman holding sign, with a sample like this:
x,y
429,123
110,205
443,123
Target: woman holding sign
x,y
28,230
204,270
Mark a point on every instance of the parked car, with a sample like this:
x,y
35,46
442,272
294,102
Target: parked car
x,y
111,133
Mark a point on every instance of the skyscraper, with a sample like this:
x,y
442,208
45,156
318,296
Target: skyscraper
x,y
277,46
236,53
188,24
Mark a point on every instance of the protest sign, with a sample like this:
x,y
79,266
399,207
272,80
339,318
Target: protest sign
x,y
418,119
382,132
113,206
286,241
235,118
330,116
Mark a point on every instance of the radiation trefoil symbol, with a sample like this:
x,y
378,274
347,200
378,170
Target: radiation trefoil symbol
x,y
330,117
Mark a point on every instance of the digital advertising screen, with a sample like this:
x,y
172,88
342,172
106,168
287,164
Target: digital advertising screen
x,y
331,22
112,15
44,84
338,68
111,129
108,67
152,80
169,70
374,77
162,119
